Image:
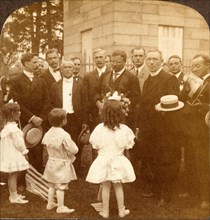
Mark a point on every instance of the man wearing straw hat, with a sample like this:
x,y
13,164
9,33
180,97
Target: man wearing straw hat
x,y
197,150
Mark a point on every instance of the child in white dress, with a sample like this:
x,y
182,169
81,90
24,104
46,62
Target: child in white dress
x,y
13,150
111,138
59,170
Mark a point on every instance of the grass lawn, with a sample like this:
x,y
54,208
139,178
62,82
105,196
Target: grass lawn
x,y
81,194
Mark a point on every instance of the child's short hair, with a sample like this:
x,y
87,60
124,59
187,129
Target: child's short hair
x,y
9,109
112,114
56,117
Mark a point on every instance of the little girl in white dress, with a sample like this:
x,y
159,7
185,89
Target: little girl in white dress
x,y
59,170
13,150
111,139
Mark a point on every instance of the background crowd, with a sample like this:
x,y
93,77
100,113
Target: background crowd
x,y
163,137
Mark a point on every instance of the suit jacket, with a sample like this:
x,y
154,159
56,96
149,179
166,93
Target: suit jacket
x,y
91,82
32,96
194,115
142,75
181,78
78,99
127,84
49,79
154,88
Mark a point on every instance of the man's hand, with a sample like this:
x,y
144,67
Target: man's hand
x,y
37,121
137,133
197,103
99,104
85,126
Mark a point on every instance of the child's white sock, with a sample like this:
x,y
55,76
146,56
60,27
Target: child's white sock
x,y
13,195
60,197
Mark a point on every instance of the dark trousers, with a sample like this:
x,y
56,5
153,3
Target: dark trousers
x,y
197,175
74,129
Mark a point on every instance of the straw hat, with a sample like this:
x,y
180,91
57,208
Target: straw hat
x,y
32,135
207,118
169,103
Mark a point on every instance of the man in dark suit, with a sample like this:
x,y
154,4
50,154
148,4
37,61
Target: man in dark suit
x,y
158,84
30,91
139,69
69,94
121,80
197,150
91,81
175,67
52,74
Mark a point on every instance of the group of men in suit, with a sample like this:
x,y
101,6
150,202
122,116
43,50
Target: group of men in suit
x,y
82,97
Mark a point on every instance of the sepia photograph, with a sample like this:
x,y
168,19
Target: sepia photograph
x,y
104,109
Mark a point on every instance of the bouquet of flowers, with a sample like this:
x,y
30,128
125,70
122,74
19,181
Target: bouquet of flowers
x,y
119,97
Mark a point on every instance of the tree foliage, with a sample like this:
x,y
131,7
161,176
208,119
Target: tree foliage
x,y
31,28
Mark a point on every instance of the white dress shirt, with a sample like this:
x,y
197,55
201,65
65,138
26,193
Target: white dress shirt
x,y
116,75
156,73
102,70
67,95
29,74
178,74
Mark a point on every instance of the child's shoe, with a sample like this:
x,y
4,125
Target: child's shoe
x,y
51,206
104,213
18,200
123,212
21,196
64,209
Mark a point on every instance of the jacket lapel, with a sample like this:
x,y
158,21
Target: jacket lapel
x,y
148,89
34,83
60,91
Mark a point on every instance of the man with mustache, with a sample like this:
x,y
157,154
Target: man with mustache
x,y
91,81
31,93
52,74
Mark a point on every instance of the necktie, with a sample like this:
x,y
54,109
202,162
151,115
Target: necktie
x,y
31,77
142,75
115,75
75,78
137,72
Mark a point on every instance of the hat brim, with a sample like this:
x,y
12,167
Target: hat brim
x,y
38,134
158,107
207,119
